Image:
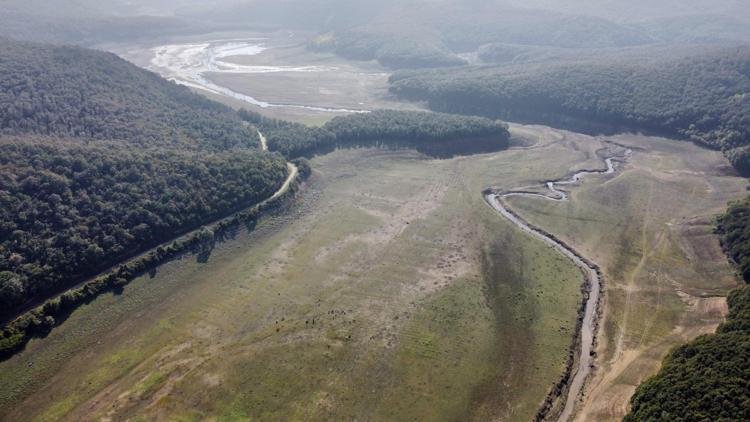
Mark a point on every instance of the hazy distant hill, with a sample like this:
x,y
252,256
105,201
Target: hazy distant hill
x,y
419,34
399,34
697,28
635,10
87,22
705,97
431,33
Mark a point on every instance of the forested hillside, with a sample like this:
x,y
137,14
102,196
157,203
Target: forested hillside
x,y
75,92
708,378
704,98
70,210
416,35
734,228
88,22
390,48
435,134
101,160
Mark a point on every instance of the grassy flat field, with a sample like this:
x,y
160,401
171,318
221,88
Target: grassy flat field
x,y
396,293
650,228
393,292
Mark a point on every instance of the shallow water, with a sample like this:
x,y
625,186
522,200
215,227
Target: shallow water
x,y
589,324
187,64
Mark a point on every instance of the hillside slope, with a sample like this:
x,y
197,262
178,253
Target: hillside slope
x,y
74,92
706,379
100,160
705,98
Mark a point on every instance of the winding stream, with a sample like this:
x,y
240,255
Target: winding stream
x,y
590,270
188,64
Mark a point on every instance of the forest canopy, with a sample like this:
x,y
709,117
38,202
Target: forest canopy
x,y
435,134
734,229
708,378
90,94
69,210
704,98
101,160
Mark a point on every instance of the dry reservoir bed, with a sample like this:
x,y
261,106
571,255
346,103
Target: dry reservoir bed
x,y
397,293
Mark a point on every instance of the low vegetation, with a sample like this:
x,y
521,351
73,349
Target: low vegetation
x,y
708,378
702,98
434,134
102,161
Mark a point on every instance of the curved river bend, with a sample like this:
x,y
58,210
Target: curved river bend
x,y
188,64
591,271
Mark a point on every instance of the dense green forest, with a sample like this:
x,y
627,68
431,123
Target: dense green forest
x,y
703,98
102,160
390,49
70,210
708,378
88,94
532,57
435,134
734,228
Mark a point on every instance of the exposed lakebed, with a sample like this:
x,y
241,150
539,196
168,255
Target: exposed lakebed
x,y
576,375
200,65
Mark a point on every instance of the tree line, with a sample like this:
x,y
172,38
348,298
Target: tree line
x,y
40,320
703,98
734,229
70,210
101,160
709,377
435,134
391,50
